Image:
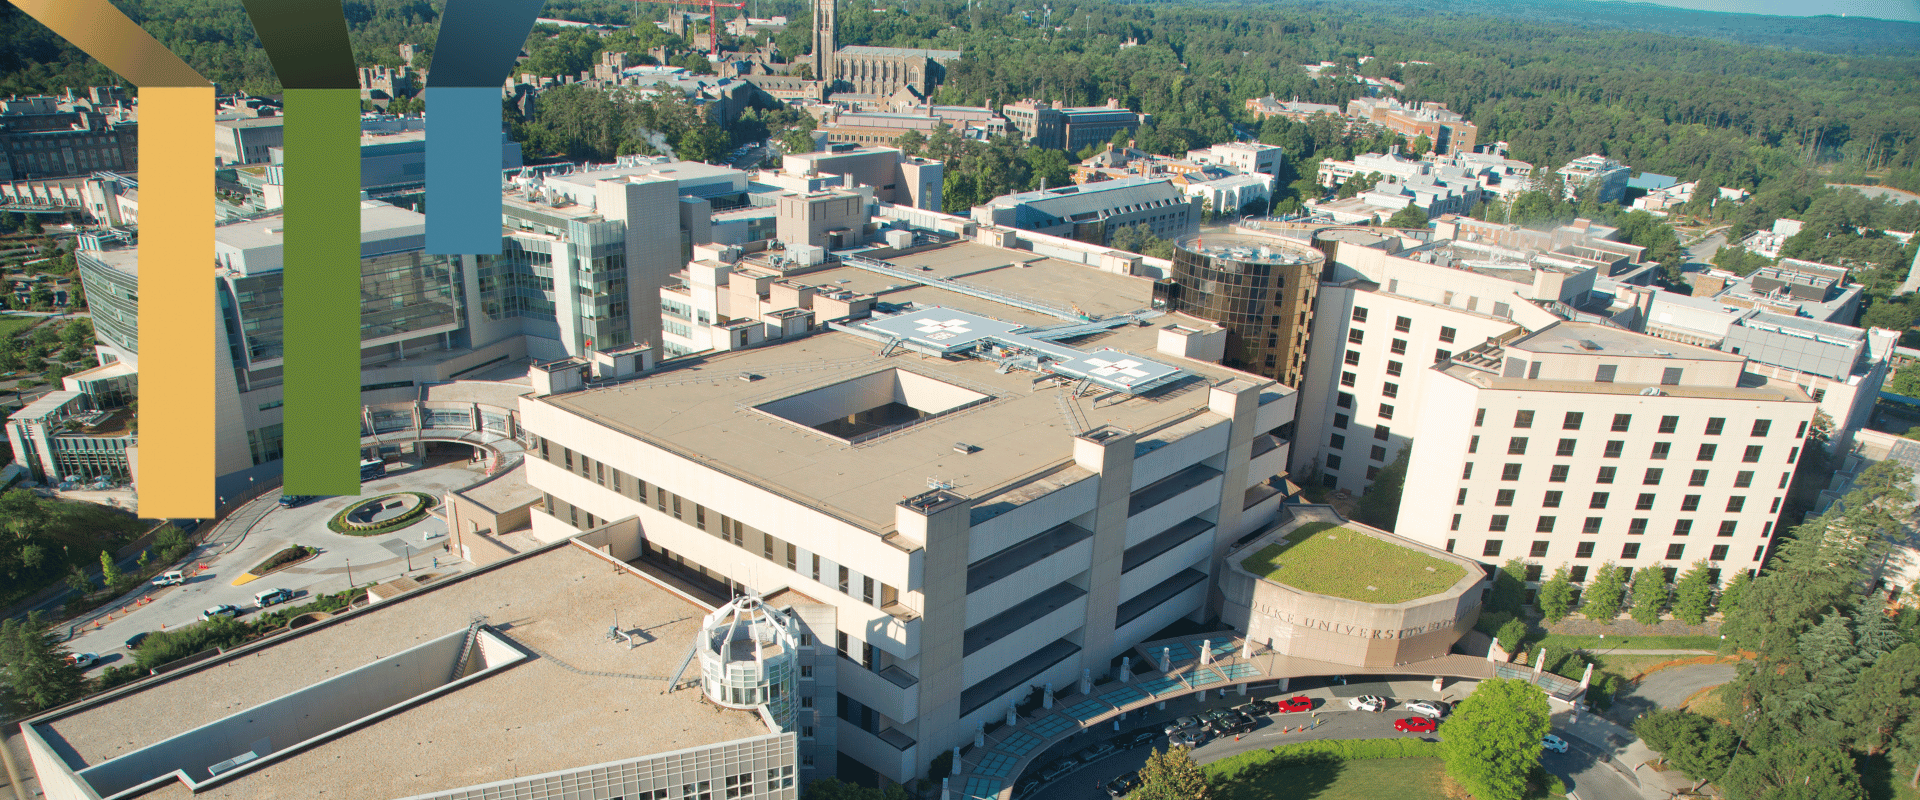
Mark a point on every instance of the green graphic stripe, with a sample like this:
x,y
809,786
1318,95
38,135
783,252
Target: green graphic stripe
x,y
322,292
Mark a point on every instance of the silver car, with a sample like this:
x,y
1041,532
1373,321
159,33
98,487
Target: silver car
x,y
1431,709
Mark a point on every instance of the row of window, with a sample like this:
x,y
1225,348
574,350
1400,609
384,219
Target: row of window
x,y
739,534
1504,498
1405,324
1637,526
1622,423
1559,473
1629,551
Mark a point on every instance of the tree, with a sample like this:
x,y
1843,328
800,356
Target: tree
x,y
34,671
1380,506
836,789
1793,769
1511,634
1732,593
910,142
1409,217
1556,595
1891,314
109,572
1601,600
1650,594
1509,588
1693,594
1697,745
1171,775
1491,743
1421,146
1886,697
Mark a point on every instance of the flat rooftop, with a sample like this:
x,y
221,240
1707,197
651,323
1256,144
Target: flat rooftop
x,y
1584,338
698,406
1352,562
535,717
378,222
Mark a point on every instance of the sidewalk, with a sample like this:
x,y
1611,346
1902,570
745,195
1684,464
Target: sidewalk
x,y
1623,751
227,534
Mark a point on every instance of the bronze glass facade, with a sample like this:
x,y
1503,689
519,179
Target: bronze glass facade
x,y
1260,289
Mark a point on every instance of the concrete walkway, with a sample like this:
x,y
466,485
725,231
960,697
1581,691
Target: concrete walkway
x,y
1621,750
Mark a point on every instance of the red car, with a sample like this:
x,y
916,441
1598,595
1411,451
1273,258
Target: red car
x,y
1415,725
1297,703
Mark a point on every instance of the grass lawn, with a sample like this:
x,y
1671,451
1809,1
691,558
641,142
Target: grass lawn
x,y
1396,778
1324,558
1594,644
11,324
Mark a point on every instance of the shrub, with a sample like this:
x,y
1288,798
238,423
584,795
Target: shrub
x,y
120,675
282,558
165,647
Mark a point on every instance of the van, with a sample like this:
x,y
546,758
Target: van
x,y
272,597
174,578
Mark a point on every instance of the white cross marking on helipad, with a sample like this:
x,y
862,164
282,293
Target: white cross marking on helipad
x,y
950,326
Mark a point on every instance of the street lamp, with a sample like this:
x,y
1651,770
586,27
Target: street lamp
x,y
349,574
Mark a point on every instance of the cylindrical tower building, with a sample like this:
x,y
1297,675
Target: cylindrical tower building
x,y
1260,288
747,653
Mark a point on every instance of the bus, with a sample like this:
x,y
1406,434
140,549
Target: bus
x,y
372,468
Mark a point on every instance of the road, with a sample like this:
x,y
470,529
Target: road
x,y
751,157
1581,766
1668,688
371,558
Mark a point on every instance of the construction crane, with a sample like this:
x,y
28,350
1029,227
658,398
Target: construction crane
x,y
713,18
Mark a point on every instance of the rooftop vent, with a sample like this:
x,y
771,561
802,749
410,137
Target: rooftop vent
x,y
1588,344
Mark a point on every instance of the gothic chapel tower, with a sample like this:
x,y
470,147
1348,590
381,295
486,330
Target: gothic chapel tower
x,y
824,45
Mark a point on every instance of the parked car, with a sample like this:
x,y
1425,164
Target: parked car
x,y
1135,738
222,610
293,500
173,578
82,660
1182,724
1554,743
272,597
1296,703
1123,785
133,642
1214,716
1057,769
1368,702
1415,725
1094,752
1258,707
1027,789
1231,723
1429,708
1190,737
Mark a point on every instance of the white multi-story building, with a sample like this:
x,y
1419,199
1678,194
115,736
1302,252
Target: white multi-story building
x,y
1603,178
1580,444
985,509
1245,158
1226,196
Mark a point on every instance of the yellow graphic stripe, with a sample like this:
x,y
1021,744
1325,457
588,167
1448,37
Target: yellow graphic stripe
x,y
100,30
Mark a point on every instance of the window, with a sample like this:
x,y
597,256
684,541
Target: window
x,y
1698,478
1517,446
1802,432
1793,455
1706,453
1577,574
1572,421
1373,472
1783,479
1340,421
1403,324
1497,522
1557,474
1604,374
1390,389
1565,450
1356,336
1348,379
1379,453
1736,503
1386,411
1671,376
1719,553
1758,550
1652,477
1669,424
1544,525
1333,461
1473,444
1645,502
1727,527
1450,543
1353,357
1510,472
1479,417
1660,450
1442,355
1605,476
1523,419
1394,368
1456,523
1630,550
1461,499
1380,432
1344,400
1761,426
1592,525
1637,526
1690,503
846,581
1613,449
1752,455
1337,442
1399,347
1359,314
1552,500
1492,548
1715,425
1503,498
1682,527
1743,479
1599,500
1539,548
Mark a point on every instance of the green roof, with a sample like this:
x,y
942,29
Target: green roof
x,y
1325,558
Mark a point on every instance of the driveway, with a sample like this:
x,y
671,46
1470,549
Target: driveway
x,y
1668,688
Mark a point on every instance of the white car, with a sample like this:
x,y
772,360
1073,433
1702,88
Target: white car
x,y
82,660
1367,702
1554,743
222,610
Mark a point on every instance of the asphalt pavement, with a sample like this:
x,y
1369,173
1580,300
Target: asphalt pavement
x,y
215,565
